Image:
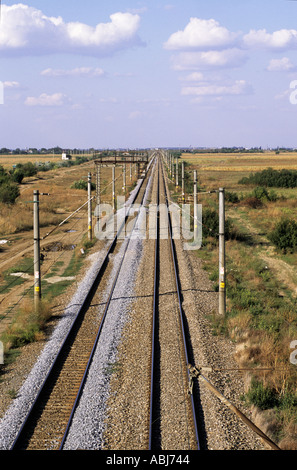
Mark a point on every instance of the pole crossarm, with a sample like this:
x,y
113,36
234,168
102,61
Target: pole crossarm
x,y
120,159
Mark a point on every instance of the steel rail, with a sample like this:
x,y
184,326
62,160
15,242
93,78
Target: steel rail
x,y
154,320
153,418
23,430
181,312
83,381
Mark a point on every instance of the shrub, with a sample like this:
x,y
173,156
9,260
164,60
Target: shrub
x,y
231,197
18,175
261,193
82,184
28,168
284,236
9,192
277,178
253,202
210,220
261,396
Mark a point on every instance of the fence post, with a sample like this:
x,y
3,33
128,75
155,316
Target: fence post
x,y
222,270
36,230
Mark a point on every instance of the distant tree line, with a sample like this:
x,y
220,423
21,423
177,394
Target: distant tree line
x,y
229,150
42,151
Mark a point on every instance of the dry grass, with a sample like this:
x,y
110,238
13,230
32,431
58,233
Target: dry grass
x,y
7,161
261,309
28,325
61,201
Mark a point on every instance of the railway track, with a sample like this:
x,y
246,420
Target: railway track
x,y
173,415
49,419
169,412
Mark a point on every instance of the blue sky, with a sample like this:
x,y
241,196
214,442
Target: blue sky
x,y
149,73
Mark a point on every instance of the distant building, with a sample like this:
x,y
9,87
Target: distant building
x,y
66,156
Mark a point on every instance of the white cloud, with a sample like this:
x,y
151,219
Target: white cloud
x,y
27,30
282,39
12,84
194,77
201,34
56,99
79,71
282,95
279,65
240,87
108,100
135,114
209,59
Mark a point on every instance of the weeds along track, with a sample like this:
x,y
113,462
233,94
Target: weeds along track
x,y
50,417
172,410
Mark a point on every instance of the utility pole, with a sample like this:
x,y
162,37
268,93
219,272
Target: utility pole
x,y
183,182
98,190
89,206
36,229
222,270
124,177
195,207
113,187
176,173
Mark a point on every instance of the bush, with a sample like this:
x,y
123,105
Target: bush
x,y
210,220
231,197
253,202
261,193
18,175
82,184
28,168
284,236
260,396
277,178
9,192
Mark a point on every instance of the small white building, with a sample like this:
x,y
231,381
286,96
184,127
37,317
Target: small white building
x,y
66,156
